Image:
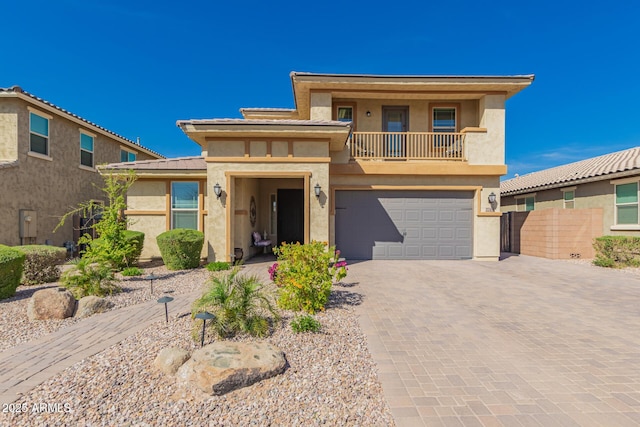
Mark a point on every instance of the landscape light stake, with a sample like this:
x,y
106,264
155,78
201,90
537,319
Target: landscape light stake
x,y
165,300
151,277
204,316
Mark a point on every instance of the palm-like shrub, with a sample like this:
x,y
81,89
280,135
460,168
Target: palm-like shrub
x,y
86,278
240,305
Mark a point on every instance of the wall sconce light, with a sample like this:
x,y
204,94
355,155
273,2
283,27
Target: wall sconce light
x,y
317,189
217,190
492,198
368,113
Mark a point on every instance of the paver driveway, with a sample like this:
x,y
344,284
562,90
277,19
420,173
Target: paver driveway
x,y
522,342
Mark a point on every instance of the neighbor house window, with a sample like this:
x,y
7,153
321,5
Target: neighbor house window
x,y
184,205
627,203
86,150
39,134
127,156
569,197
525,203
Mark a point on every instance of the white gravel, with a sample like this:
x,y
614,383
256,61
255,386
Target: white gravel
x,y
330,379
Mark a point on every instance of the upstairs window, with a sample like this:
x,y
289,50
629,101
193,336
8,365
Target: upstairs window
x,y
627,203
39,134
86,150
444,119
127,156
184,205
345,112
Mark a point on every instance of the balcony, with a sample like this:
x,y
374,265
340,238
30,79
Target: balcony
x,y
407,146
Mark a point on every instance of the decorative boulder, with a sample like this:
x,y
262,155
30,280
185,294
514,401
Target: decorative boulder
x,y
52,303
170,359
221,367
90,305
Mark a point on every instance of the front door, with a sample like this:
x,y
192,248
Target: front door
x,y
290,213
395,120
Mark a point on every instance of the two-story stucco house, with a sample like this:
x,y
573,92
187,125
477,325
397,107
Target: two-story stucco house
x,y
48,165
384,167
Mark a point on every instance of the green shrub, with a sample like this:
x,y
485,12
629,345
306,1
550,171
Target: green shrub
x,y
41,263
86,278
218,266
136,239
617,251
305,274
305,323
132,271
11,265
181,248
239,303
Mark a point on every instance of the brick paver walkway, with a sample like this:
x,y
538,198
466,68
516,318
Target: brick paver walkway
x,y
28,365
522,342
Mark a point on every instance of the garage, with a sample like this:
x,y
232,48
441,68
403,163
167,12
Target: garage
x,y
390,224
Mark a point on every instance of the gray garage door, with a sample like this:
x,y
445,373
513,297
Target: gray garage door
x,y
404,224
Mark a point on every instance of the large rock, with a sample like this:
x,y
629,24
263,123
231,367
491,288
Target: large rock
x,y
52,303
221,367
170,359
90,305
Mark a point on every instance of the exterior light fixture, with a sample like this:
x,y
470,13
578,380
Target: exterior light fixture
x,y
217,190
317,189
368,113
492,197
165,301
205,315
151,277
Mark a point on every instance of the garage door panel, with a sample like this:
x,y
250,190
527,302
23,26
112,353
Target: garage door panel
x,y
404,224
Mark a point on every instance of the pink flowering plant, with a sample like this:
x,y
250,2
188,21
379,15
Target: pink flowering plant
x,y
305,274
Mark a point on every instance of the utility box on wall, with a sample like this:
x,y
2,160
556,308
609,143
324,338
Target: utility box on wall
x,y
28,224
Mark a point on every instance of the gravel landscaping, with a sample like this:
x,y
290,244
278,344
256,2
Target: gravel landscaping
x,y
330,378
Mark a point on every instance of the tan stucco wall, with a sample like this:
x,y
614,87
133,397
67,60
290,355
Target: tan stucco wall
x,y
151,226
53,186
320,106
9,130
216,225
147,195
488,148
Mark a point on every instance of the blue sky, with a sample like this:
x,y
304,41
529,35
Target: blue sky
x,y
135,67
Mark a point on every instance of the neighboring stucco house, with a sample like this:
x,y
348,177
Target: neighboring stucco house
x,y
609,182
48,159
384,167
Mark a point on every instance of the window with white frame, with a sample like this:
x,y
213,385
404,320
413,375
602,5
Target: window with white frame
x,y
568,197
184,205
443,119
86,150
127,156
39,134
525,203
627,203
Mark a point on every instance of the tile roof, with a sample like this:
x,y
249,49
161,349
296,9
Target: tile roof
x,y
626,162
178,163
284,122
18,89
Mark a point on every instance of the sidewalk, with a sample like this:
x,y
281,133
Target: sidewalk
x,y
28,365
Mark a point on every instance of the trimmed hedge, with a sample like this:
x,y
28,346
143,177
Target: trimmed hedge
x,y
617,251
181,248
41,263
11,265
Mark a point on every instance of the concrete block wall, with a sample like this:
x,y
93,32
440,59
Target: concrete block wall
x,y
561,233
